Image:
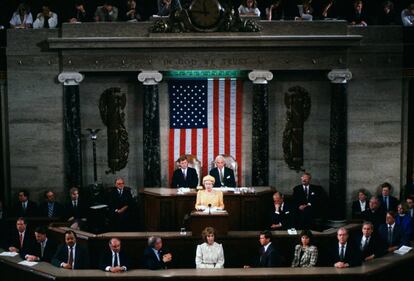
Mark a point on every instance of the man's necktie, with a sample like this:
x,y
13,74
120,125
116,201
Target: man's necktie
x,y
221,177
70,259
342,254
50,211
390,235
184,175
21,240
46,22
42,248
307,192
116,260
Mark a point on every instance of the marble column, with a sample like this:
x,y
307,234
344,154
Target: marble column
x,y
151,134
260,124
338,143
72,128
5,192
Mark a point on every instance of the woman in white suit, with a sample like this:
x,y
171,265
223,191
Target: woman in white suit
x,y
209,254
306,255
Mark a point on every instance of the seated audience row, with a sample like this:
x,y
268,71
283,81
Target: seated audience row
x,y
345,253
359,12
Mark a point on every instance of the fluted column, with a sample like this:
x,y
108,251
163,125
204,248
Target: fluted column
x,y
338,143
72,128
260,132
152,153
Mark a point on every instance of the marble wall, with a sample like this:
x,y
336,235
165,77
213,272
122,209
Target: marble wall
x,y
376,120
316,129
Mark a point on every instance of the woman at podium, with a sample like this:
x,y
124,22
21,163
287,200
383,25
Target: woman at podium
x,y
209,198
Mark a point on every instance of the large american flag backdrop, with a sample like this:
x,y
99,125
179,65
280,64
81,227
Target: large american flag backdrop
x,y
205,120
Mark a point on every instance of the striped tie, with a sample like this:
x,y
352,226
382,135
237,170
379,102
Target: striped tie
x,y
50,210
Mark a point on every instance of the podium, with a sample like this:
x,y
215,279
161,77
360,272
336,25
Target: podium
x,y
217,219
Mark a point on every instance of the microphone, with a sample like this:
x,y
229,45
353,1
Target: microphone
x,y
209,209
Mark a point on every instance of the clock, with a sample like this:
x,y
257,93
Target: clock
x,y
205,14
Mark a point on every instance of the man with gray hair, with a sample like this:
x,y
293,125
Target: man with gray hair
x,y
223,176
114,260
155,256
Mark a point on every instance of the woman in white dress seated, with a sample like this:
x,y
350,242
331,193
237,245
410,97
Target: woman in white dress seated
x,y
209,254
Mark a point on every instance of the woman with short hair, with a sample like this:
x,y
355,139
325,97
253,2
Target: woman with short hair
x,y
209,254
306,255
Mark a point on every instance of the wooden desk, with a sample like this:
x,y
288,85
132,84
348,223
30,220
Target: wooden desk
x,y
200,220
390,267
165,210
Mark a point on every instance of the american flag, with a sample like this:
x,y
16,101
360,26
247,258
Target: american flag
x,y
205,120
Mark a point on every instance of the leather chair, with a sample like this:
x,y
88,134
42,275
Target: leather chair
x,y
193,162
230,163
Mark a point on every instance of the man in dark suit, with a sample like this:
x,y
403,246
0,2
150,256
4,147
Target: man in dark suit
x,y
76,209
392,234
223,176
155,256
43,249
25,207
281,217
120,202
374,213
344,254
308,199
20,240
71,255
369,243
50,208
410,205
184,176
388,202
268,255
114,260
409,187
359,206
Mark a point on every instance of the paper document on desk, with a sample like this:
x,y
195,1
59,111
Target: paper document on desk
x,y
28,263
403,250
292,231
8,254
96,207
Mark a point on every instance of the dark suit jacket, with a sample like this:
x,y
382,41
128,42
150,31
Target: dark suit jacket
x,y
270,258
285,217
392,202
228,177
398,236
31,210
352,254
58,211
81,256
377,218
116,202
106,260
81,211
356,209
374,247
409,189
315,198
150,260
48,252
28,241
179,181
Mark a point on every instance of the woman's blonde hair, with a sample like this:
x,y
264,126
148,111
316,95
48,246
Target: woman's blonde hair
x,y
209,178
